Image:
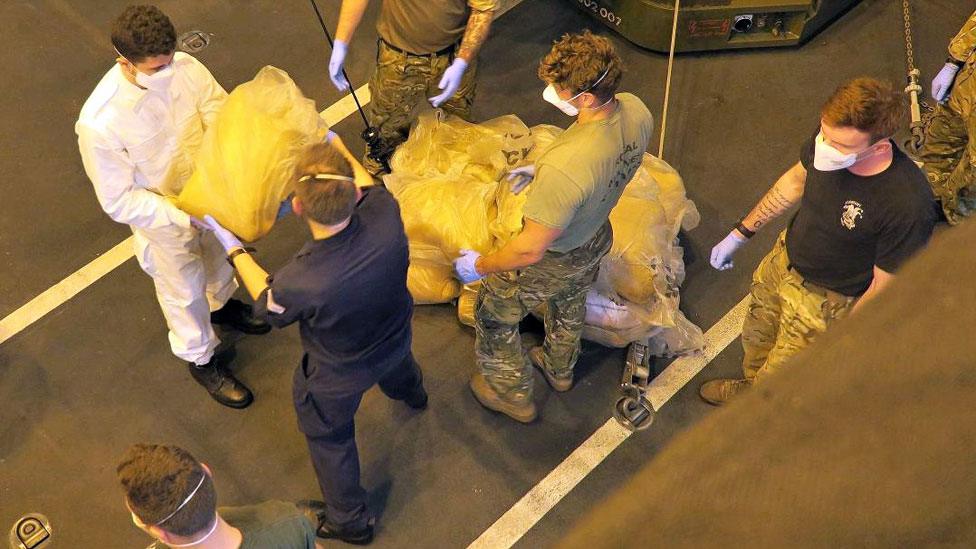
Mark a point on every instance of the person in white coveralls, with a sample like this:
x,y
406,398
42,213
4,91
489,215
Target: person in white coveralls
x,y
138,133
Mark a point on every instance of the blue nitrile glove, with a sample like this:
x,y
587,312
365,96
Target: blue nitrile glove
x,y
464,266
339,49
225,237
450,82
520,178
285,207
723,251
942,82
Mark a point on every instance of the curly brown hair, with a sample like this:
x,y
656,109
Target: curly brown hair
x,y
156,479
576,62
867,104
140,32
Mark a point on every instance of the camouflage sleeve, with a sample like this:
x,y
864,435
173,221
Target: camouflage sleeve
x,y
961,47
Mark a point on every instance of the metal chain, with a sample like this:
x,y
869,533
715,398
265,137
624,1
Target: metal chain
x,y
921,111
909,51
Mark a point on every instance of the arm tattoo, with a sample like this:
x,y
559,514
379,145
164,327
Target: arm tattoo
x,y
475,33
772,205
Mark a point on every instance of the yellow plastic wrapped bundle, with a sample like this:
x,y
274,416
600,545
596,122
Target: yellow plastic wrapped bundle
x,y
508,220
431,283
467,302
448,180
445,178
244,167
447,146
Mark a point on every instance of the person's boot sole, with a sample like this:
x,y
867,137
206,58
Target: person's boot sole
x,y
492,402
558,385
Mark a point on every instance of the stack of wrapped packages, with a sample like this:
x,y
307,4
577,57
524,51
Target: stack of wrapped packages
x,y
245,165
449,180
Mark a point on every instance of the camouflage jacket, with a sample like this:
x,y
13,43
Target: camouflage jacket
x,y
962,46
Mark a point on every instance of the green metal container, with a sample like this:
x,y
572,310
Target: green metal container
x,y
715,24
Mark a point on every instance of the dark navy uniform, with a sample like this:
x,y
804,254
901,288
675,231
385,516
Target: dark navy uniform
x,y
349,295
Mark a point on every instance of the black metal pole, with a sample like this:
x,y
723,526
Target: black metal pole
x,y
328,37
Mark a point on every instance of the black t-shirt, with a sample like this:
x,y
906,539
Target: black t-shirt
x,y
847,224
349,296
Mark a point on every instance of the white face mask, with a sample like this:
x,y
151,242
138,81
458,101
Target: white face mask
x,y
828,159
551,97
158,81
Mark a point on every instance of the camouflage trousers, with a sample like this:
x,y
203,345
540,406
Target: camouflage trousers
x,y
559,281
948,153
785,313
400,83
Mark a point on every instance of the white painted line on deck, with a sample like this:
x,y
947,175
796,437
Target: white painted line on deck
x,y
54,296
508,529
74,283
338,111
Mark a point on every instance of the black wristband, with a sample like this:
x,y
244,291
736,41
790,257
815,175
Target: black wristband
x,y
237,252
742,229
955,61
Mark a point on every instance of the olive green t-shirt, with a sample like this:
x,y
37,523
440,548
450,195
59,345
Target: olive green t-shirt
x,y
277,524
582,174
426,26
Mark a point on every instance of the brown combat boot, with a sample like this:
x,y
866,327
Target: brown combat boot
x,y
522,411
559,384
718,392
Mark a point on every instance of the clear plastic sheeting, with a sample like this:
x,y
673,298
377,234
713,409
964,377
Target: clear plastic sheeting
x,y
245,163
645,268
448,178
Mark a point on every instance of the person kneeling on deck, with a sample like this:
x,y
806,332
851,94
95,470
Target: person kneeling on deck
x,y
566,230
347,289
865,208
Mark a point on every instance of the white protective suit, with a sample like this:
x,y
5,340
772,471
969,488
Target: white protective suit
x,y
138,148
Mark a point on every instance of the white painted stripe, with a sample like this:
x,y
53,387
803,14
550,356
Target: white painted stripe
x,y
342,108
508,529
544,496
680,371
74,283
61,292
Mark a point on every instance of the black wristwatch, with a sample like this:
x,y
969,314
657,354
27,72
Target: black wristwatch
x,y
742,229
955,61
238,251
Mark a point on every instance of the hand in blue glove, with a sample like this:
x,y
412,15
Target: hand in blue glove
x,y
225,237
722,253
520,178
450,82
464,266
942,82
285,207
339,49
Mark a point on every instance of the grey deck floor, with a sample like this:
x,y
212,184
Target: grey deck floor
x,y
96,374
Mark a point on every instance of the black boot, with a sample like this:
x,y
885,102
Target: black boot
x,y
314,512
418,400
221,384
237,315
